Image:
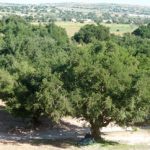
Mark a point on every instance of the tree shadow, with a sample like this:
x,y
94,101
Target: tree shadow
x,y
70,142
66,143
104,142
63,136
7,121
13,131
59,143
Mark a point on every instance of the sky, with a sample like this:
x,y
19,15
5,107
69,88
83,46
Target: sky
x,y
133,2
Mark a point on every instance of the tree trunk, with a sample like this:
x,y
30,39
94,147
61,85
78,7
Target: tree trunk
x,y
35,119
95,131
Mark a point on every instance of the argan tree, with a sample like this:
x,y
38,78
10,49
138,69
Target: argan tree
x,y
89,33
28,55
143,31
101,80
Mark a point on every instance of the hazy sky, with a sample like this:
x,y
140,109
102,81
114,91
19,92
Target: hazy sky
x,y
135,2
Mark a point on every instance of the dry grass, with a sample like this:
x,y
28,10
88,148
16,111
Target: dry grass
x,y
70,27
17,146
117,29
65,146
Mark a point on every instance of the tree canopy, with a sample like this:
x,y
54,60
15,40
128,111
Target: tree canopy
x,y
143,31
103,85
28,56
89,33
103,80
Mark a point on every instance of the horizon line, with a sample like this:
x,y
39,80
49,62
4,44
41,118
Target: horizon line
x,y
144,5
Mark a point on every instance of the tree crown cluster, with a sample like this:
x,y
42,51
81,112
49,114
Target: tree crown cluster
x,y
105,79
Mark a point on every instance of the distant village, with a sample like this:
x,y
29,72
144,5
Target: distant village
x,y
100,13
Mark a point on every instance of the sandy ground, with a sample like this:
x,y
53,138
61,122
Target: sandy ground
x,y
14,136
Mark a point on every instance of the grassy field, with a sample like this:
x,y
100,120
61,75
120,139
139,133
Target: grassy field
x,y
121,28
118,29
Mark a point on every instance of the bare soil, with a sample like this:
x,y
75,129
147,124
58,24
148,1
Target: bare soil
x,y
15,135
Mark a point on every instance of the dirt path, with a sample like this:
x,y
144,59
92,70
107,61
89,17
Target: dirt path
x,y
127,137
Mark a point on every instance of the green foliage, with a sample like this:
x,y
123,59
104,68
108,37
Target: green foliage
x,y
102,82
139,48
136,46
143,31
36,95
6,84
42,74
28,56
59,34
143,96
89,33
